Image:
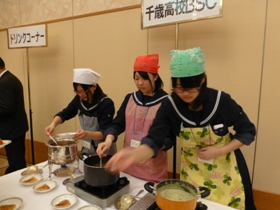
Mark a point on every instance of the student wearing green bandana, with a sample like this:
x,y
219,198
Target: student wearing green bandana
x,y
200,116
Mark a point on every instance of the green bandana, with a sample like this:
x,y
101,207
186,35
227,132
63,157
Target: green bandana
x,y
186,63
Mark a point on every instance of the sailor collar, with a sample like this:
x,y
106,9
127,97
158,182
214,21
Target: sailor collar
x,y
208,117
155,99
92,107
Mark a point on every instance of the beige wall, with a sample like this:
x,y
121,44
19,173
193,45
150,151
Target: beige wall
x,y
267,158
18,13
241,51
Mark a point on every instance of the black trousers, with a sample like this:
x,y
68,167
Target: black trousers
x,y
16,154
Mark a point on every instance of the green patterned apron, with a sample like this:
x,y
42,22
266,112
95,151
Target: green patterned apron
x,y
221,175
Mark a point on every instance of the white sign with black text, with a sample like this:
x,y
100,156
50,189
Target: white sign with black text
x,y
29,36
162,12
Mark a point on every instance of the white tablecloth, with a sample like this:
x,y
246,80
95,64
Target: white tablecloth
x,y
11,187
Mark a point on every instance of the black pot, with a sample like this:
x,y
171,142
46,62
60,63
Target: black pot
x,y
97,176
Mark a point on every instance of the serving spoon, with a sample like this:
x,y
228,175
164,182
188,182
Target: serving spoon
x,y
72,176
52,138
126,201
34,168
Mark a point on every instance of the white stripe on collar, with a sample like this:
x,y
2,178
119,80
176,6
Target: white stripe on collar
x,y
150,103
214,109
202,122
92,106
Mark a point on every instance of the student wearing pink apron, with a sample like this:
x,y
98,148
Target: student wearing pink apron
x,y
201,117
136,116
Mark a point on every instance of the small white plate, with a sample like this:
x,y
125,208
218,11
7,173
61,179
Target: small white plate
x,y
50,183
5,143
9,201
25,178
90,207
69,135
70,197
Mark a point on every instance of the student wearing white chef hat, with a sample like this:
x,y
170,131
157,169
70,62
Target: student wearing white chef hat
x,y
94,109
85,76
86,79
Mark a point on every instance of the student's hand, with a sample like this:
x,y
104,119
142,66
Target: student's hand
x,y
121,160
207,153
81,134
50,130
211,152
128,156
102,148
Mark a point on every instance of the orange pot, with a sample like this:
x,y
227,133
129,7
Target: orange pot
x,y
174,194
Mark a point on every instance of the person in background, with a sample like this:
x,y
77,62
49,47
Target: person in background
x,y
13,119
201,117
94,109
136,115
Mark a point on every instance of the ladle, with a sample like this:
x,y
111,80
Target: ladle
x,y
127,201
52,138
34,168
72,176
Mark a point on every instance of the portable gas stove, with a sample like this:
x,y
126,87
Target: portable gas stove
x,y
101,196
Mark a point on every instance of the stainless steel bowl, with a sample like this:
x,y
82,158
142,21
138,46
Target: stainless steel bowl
x,y
64,152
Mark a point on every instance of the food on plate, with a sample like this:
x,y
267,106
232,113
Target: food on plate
x,y
8,207
31,180
176,195
43,187
1,142
63,204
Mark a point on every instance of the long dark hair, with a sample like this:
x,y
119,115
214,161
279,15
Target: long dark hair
x,y
158,83
98,93
192,82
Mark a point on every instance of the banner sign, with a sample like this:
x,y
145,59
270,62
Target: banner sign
x,y
161,12
30,36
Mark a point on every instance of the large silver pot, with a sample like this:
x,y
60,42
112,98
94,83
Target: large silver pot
x,y
64,152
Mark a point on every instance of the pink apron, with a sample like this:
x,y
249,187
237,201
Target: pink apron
x,y
138,122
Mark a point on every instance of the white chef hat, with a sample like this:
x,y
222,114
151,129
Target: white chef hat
x,y
85,76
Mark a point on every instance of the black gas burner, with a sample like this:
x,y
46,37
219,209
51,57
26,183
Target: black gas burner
x,y
100,196
104,191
